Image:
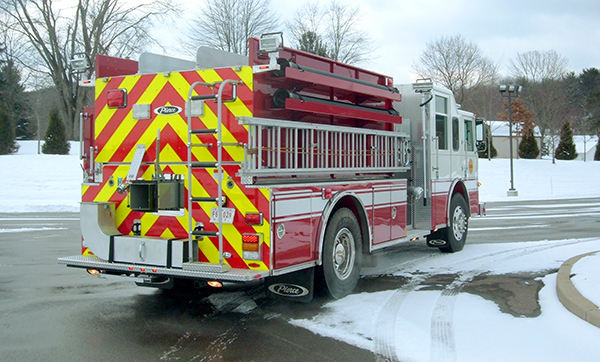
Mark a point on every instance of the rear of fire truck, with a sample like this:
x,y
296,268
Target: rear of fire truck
x,y
233,170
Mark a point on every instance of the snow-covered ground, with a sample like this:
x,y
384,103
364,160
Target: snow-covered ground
x,y
411,323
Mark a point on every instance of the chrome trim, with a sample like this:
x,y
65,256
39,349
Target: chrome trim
x,y
235,275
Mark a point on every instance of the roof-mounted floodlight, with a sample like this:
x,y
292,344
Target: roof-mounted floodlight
x,y
271,44
79,63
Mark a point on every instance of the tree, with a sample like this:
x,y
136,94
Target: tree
x,y
522,117
12,93
311,42
528,148
7,134
113,27
55,141
546,93
536,66
457,64
566,148
228,24
336,26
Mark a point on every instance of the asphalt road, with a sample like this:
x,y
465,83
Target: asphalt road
x,y
52,313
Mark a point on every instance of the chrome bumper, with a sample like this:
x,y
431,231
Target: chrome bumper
x,y
196,270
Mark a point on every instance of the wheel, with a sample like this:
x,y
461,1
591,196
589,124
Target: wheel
x,y
456,232
342,253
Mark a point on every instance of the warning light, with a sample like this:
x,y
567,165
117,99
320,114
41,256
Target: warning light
x,y
254,218
116,98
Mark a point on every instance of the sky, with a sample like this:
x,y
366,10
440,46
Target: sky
x,y
415,322
400,29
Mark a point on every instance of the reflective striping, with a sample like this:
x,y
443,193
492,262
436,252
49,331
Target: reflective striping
x,y
117,135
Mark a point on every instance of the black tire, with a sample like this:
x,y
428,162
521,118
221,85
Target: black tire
x,y
342,252
458,225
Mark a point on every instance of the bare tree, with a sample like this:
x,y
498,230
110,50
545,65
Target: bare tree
x,y
227,24
457,64
536,66
337,31
545,90
55,34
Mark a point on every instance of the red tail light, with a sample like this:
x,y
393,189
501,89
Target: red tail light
x,y
251,238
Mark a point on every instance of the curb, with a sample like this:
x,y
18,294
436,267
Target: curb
x,y
571,298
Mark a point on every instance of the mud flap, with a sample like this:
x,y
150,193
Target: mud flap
x,y
437,238
297,286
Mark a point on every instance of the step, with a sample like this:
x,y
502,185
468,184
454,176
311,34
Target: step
x,y
211,164
205,233
204,131
204,97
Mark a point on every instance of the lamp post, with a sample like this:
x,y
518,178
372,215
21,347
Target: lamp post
x,y
508,91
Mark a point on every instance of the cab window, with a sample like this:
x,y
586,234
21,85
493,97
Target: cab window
x,y
455,134
469,136
441,122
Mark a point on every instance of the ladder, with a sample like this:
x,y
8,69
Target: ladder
x,y
284,148
197,232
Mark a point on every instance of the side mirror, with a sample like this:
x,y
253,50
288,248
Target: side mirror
x,y
480,135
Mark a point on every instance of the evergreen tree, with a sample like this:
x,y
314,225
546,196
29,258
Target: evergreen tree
x,y
528,148
311,42
14,103
55,140
7,133
566,148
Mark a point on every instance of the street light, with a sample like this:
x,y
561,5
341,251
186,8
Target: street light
x,y
507,91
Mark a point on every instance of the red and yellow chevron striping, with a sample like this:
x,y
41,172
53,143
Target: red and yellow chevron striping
x,y
117,134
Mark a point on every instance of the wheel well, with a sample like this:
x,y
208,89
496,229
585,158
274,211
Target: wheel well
x,y
460,188
359,212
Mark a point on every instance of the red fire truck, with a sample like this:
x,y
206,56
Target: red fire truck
x,y
280,168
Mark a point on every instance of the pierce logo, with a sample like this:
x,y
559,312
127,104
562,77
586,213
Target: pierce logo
x,y
168,110
288,290
437,242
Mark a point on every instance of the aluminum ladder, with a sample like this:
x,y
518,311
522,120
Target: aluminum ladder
x,y
197,232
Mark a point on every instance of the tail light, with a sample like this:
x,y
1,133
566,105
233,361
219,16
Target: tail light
x,y
251,246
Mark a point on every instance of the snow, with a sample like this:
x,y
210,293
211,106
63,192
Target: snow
x,y
413,323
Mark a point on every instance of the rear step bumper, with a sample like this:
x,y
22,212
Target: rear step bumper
x,y
189,270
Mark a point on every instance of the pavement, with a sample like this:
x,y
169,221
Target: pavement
x,y
571,297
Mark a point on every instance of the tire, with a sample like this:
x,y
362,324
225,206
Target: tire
x,y
456,232
342,252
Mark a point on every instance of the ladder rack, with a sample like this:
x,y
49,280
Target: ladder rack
x,y
288,148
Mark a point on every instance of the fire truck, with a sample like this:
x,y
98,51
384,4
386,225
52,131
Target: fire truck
x,y
280,168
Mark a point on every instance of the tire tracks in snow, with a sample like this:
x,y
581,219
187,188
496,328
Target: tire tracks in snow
x,y
442,344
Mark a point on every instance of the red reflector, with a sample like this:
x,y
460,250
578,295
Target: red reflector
x,y
130,268
254,265
250,238
264,67
154,270
254,218
116,98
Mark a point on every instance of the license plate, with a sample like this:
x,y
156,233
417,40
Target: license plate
x,y
228,214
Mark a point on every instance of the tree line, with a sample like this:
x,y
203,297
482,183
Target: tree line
x,y
39,37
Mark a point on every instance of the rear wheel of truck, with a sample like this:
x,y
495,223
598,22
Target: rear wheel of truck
x,y
456,232
341,253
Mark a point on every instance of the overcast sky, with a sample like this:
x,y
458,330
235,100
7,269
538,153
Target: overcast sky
x,y
400,29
